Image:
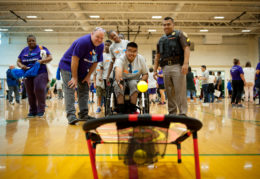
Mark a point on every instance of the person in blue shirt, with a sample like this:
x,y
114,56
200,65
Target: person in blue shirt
x,y
229,88
238,82
76,67
13,86
35,86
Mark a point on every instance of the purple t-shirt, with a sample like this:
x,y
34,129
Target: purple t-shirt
x,y
258,68
87,53
160,79
28,57
236,71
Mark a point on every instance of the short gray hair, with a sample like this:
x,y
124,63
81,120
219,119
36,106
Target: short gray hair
x,y
99,29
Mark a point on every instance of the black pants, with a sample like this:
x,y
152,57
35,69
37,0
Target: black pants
x,y
238,87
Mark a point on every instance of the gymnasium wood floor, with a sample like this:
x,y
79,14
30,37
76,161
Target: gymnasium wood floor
x,y
229,145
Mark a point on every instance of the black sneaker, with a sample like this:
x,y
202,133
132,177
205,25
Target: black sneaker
x,y
86,117
40,114
31,115
73,121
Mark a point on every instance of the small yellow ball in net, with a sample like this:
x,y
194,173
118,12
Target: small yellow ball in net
x,y
139,156
142,86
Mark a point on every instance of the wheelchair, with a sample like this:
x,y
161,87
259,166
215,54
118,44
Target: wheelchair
x,y
111,101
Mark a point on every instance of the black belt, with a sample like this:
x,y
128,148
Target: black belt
x,y
170,61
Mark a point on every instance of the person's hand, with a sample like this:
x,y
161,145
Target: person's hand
x,y
100,79
73,83
108,82
184,69
25,67
120,84
87,80
95,85
40,61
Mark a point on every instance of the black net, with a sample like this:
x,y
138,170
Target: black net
x,y
141,145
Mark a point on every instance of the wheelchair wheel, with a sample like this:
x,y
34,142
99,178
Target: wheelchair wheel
x,y
146,109
108,108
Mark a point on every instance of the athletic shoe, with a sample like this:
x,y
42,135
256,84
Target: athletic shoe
x,y
86,117
240,106
40,114
160,103
98,110
73,121
234,105
31,115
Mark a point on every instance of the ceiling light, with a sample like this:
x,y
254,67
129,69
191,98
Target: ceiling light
x,y
245,30
156,17
31,17
94,17
48,30
3,29
219,17
204,30
152,30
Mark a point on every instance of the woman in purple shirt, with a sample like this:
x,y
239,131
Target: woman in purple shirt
x,y
35,86
238,82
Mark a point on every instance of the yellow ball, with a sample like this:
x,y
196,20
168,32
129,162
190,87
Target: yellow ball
x,y
139,156
142,86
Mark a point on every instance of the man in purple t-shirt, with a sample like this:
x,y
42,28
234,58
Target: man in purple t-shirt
x,y
76,66
257,81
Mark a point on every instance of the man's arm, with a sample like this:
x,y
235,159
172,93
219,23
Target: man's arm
x,y
185,65
74,72
156,64
110,68
87,77
243,78
119,76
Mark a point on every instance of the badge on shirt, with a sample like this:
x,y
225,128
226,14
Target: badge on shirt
x,y
94,56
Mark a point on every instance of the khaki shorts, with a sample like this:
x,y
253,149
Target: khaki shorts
x,y
132,84
101,91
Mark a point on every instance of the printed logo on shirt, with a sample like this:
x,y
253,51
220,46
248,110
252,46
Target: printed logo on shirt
x,y
117,51
30,60
107,60
136,71
86,60
125,71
